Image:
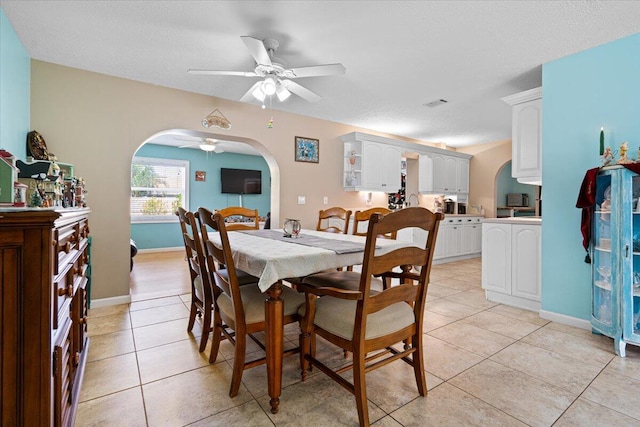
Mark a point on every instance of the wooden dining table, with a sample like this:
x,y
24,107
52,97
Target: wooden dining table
x,y
271,257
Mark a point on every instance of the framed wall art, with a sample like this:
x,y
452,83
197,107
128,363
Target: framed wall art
x,y
307,150
201,176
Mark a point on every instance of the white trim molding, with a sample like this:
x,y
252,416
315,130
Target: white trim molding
x,y
106,302
565,320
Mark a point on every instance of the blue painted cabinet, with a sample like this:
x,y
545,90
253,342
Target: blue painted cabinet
x,y
615,310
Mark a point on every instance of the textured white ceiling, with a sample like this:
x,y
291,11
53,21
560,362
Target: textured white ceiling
x,y
399,55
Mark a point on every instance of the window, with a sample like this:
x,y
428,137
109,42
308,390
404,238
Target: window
x,y
158,188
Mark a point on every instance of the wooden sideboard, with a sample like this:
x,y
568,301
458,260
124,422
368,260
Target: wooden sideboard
x,y
44,268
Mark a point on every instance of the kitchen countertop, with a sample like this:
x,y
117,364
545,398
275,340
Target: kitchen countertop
x,y
530,220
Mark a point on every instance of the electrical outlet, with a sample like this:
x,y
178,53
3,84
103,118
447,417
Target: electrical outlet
x,y
302,200
325,200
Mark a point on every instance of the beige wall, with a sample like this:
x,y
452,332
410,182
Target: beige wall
x,y
484,166
97,122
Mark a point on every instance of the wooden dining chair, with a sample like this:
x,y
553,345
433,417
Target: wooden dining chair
x,y
369,324
201,292
240,310
204,215
249,218
360,220
361,217
327,218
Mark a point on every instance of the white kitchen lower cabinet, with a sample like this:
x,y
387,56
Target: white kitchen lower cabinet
x,y
459,237
511,261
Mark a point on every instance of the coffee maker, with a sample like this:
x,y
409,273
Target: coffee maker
x,y
449,206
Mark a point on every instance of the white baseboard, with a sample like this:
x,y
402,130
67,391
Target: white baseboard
x,y
455,258
565,320
148,251
106,302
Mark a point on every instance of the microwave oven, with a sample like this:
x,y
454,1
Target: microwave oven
x,y
517,200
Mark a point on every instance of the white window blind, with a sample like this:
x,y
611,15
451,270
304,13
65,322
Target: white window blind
x,y
158,188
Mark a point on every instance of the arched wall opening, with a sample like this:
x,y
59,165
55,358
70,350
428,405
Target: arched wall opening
x,y
229,141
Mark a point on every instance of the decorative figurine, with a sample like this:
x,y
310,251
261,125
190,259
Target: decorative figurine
x,y
623,154
607,157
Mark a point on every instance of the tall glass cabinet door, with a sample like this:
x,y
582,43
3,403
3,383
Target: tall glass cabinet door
x,y
631,259
605,296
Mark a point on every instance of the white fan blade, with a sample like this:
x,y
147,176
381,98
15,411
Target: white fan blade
x,y
187,146
318,70
218,150
257,50
249,95
301,91
223,73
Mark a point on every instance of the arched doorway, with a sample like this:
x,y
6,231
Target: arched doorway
x,y
180,144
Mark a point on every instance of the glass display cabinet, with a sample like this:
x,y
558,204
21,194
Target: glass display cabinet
x,y
615,310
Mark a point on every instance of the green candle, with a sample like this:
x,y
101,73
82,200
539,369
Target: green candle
x,y
601,141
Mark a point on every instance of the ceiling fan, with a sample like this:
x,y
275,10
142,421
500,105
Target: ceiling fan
x,y
275,77
205,144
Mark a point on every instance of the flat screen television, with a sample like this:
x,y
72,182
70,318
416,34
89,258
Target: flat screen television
x,y
241,181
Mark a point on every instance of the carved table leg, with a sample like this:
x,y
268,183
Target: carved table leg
x,y
274,315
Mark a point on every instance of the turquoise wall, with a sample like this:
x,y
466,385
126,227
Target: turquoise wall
x,y
506,184
207,193
581,93
15,75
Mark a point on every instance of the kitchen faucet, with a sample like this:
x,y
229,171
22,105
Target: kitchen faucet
x,y
409,199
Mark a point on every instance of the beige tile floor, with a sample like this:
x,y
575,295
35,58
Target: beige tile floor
x,y
487,365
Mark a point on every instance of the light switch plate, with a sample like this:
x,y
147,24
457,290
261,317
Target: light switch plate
x,y
325,200
302,200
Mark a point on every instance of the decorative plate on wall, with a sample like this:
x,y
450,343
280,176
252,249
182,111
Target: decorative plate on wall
x,y
36,147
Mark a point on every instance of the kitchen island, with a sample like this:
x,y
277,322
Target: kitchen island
x,y
511,261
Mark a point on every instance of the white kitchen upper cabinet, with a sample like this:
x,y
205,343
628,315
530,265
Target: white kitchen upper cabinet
x,y
371,166
526,136
462,175
431,173
450,175
443,174
391,168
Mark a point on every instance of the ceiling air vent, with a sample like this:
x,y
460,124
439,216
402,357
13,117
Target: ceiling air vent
x,y
435,103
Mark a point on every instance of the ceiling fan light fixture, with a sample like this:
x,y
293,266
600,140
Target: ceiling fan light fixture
x,y
259,94
282,93
269,85
207,147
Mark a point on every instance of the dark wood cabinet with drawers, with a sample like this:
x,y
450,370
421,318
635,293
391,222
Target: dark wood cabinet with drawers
x,y
44,268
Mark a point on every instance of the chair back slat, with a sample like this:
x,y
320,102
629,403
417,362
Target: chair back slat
x,y
250,218
334,213
407,293
403,256
363,216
